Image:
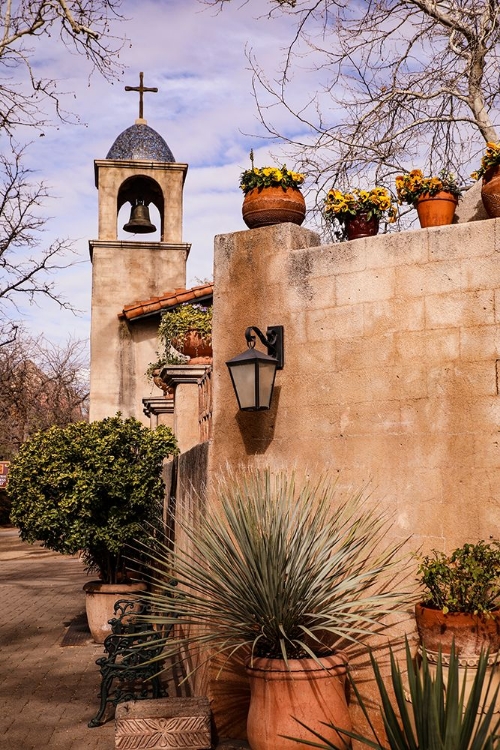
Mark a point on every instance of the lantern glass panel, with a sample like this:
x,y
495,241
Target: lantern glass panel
x,y
244,383
267,371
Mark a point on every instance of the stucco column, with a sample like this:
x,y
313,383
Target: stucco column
x,y
185,380
160,410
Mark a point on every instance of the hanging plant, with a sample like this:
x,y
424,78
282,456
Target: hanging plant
x,y
173,331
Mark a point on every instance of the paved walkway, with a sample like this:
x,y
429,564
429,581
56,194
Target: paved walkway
x,y
48,692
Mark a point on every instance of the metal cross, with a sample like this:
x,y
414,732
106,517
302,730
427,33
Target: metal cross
x,y
141,89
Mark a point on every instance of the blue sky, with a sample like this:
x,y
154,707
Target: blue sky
x,y
204,110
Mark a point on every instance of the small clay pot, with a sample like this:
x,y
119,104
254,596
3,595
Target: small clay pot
x,y
436,210
360,226
194,346
273,205
471,633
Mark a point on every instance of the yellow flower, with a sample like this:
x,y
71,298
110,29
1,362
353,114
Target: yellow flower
x,y
393,213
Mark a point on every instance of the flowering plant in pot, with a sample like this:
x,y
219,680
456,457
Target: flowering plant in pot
x,y
87,488
490,158
287,574
490,173
358,213
263,177
185,330
435,198
461,599
272,196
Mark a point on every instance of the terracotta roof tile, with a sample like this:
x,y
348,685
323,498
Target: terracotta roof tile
x,y
164,302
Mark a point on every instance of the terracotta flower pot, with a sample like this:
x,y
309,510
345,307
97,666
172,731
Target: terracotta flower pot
x,y
194,346
168,391
360,226
490,192
273,205
436,210
100,601
470,632
305,691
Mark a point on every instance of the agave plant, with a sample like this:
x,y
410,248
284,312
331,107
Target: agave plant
x,y
439,714
281,569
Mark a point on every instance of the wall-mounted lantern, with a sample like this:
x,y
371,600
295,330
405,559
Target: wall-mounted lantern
x,y
253,372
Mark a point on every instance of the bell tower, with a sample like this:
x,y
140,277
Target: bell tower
x,y
139,170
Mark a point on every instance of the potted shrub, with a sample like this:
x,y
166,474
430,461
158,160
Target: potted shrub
x,y
287,575
87,488
490,173
461,600
426,715
186,330
358,213
435,198
272,196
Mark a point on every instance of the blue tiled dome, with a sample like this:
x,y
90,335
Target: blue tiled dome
x,y
140,142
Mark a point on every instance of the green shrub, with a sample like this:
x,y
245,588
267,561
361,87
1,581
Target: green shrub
x,y
467,580
89,487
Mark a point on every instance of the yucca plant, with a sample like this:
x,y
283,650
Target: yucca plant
x,y
439,714
282,569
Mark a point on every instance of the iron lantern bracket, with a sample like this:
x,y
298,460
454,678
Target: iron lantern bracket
x,y
272,340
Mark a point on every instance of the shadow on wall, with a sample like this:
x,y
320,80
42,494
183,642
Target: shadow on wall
x,y
257,427
231,690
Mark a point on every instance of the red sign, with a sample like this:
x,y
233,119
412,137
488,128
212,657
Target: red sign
x,y
4,471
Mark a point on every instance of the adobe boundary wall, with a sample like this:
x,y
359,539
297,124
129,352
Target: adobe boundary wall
x,y
392,366
391,380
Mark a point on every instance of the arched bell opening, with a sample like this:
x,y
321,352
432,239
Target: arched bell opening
x,y
140,210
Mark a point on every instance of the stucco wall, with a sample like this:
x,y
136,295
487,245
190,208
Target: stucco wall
x,y
391,372
120,351
391,377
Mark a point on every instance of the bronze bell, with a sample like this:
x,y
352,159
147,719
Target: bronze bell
x,y
139,222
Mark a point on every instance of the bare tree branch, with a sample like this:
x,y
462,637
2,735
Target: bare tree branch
x,y
28,267
81,27
41,384
396,84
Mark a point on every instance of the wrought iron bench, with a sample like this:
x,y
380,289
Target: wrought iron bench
x,y
129,649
